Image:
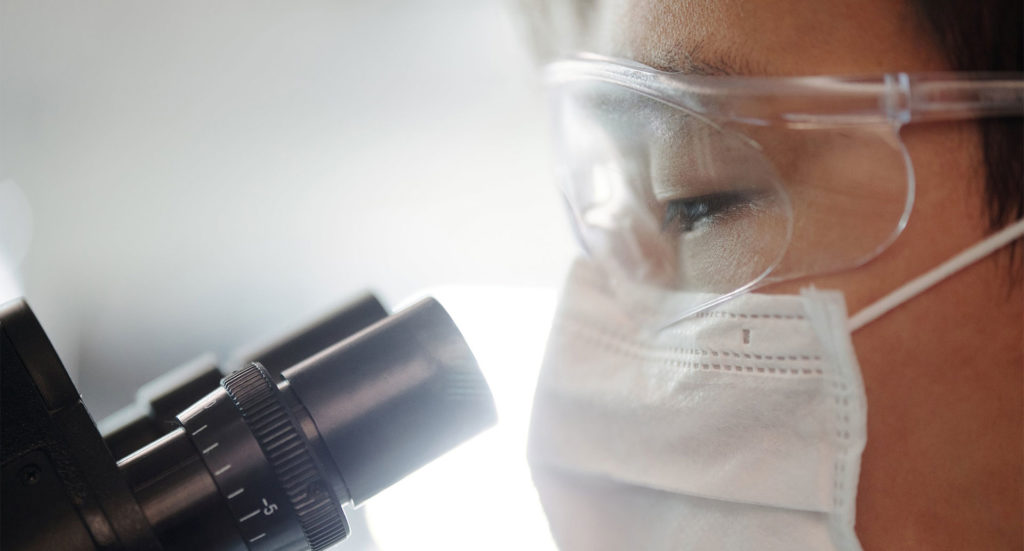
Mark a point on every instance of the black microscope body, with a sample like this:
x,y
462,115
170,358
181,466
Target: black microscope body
x,y
260,459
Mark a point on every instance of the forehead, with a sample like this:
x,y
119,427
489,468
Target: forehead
x,y
760,37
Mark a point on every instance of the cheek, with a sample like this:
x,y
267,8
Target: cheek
x,y
848,190
949,166
947,215
740,250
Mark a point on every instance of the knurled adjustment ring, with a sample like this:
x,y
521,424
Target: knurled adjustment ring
x,y
256,397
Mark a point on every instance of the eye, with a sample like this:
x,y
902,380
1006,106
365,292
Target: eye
x,y
687,214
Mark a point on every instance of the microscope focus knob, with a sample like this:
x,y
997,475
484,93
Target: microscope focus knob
x,y
286,449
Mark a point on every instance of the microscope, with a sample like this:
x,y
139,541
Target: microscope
x,y
260,459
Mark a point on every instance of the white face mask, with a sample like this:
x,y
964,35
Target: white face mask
x,y
739,428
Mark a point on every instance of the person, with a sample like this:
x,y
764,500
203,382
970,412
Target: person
x,y
707,185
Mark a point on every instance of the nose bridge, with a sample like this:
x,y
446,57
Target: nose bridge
x,y
615,210
623,220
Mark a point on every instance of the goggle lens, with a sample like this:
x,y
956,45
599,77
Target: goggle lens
x,y
663,196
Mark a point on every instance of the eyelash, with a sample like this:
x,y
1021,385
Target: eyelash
x,y
683,215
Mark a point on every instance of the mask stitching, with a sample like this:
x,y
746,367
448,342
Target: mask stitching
x,y
610,343
841,398
844,400
747,355
611,334
842,421
731,315
842,388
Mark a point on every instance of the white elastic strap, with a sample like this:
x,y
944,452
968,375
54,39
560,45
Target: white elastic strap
x,y
969,256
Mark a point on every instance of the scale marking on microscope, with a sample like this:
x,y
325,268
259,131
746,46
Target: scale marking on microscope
x,y
254,506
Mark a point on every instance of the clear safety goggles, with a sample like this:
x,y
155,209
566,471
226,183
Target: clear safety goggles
x,y
719,184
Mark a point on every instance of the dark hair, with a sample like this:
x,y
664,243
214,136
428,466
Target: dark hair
x,y
986,36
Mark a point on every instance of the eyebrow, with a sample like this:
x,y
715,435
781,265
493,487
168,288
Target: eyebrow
x,y
696,59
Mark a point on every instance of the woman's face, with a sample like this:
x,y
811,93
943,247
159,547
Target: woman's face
x,y
935,368
803,37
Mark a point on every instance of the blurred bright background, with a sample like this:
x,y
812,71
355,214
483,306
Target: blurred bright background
x,y
188,177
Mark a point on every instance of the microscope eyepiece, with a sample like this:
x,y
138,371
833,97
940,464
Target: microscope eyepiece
x,y
268,459
393,397
158,402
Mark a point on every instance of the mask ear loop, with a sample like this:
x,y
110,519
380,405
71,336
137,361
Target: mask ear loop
x,y
921,283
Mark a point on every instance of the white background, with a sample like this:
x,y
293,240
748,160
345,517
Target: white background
x,y
203,174
187,177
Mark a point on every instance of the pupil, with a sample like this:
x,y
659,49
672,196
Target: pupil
x,y
683,214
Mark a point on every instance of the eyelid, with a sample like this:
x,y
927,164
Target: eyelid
x,y
724,201
705,188
687,213
684,189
